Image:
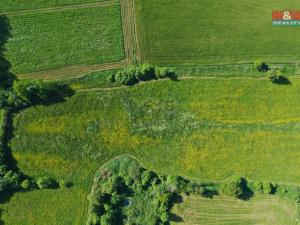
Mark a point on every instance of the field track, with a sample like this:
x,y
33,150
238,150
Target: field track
x,y
72,71
129,30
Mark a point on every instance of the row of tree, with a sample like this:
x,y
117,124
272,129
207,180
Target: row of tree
x,y
133,74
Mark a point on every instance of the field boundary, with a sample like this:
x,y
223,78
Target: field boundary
x,y
72,71
62,8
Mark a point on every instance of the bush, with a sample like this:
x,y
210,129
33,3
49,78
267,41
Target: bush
x,y
261,66
126,77
147,178
161,72
46,182
25,184
237,188
111,78
65,183
145,72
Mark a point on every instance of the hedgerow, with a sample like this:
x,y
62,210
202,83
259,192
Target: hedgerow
x,y
21,95
132,74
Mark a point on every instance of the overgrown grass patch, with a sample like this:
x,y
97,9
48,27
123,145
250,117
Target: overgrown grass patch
x,y
208,128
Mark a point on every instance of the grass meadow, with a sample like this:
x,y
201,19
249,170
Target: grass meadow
x,y
222,31
206,128
65,37
228,211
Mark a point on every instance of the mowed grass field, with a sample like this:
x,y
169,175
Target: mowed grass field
x,y
204,128
176,32
61,37
263,210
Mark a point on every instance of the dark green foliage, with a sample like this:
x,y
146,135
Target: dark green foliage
x,y
132,75
5,33
147,178
261,66
65,184
124,183
145,72
180,184
265,187
25,184
34,92
46,182
237,187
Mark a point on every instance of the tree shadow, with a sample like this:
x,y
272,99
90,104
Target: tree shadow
x,y
247,192
176,199
6,77
174,217
281,80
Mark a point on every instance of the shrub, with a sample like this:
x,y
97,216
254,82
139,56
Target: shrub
x,y
181,184
46,182
106,219
261,66
25,184
111,78
161,72
147,178
237,188
258,186
65,183
269,188
129,79
35,91
126,77
145,72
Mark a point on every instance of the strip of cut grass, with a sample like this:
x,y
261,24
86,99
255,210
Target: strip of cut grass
x,y
195,210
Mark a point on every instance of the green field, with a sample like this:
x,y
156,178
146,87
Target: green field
x,y
222,117
207,128
214,32
204,128
227,211
65,37
9,6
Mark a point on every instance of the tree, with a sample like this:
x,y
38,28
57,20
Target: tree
x,y
237,187
145,72
25,184
261,66
46,182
